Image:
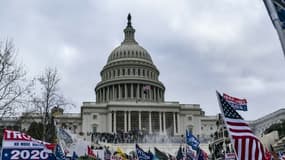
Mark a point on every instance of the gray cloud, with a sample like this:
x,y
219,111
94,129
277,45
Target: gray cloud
x,y
198,46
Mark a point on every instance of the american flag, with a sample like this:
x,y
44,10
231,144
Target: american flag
x,y
246,144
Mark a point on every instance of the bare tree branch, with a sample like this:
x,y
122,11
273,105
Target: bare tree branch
x,y
13,85
49,97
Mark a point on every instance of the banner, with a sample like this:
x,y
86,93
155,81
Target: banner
x,y
17,145
236,103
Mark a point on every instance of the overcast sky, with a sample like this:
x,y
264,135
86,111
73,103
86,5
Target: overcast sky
x,y
198,46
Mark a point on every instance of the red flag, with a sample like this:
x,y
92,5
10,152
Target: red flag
x,y
247,146
90,152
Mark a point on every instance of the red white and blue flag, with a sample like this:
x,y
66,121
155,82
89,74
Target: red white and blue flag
x,y
146,88
236,103
17,145
247,146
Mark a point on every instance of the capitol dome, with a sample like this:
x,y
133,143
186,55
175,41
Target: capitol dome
x,y
129,74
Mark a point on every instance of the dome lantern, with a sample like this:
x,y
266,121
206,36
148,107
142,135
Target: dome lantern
x,y
129,32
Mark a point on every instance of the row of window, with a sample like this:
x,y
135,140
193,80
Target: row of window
x,y
129,71
130,54
211,128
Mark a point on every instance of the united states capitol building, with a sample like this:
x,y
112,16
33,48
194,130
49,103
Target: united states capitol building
x,y
130,97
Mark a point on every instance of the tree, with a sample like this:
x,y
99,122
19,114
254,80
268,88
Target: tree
x,y
13,85
49,97
36,130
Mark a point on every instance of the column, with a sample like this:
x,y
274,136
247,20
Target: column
x,y
132,91
126,90
140,121
164,125
99,95
103,94
138,91
143,95
115,122
174,123
149,119
129,120
158,97
107,98
151,93
154,94
113,92
110,122
120,93
125,121
160,127
178,122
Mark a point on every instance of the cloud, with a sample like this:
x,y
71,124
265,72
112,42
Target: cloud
x,y
198,46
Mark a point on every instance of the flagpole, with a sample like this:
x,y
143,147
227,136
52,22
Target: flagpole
x,y
225,122
276,22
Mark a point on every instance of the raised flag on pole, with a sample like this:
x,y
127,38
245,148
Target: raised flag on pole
x,y
191,140
59,154
90,152
74,156
236,103
276,11
246,145
146,88
142,155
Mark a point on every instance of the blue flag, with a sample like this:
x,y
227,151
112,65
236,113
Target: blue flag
x,y
192,140
74,156
59,153
142,155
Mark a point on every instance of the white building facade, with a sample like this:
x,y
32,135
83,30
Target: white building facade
x,y
260,125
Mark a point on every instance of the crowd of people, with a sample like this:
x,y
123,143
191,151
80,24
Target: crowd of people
x,y
134,136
